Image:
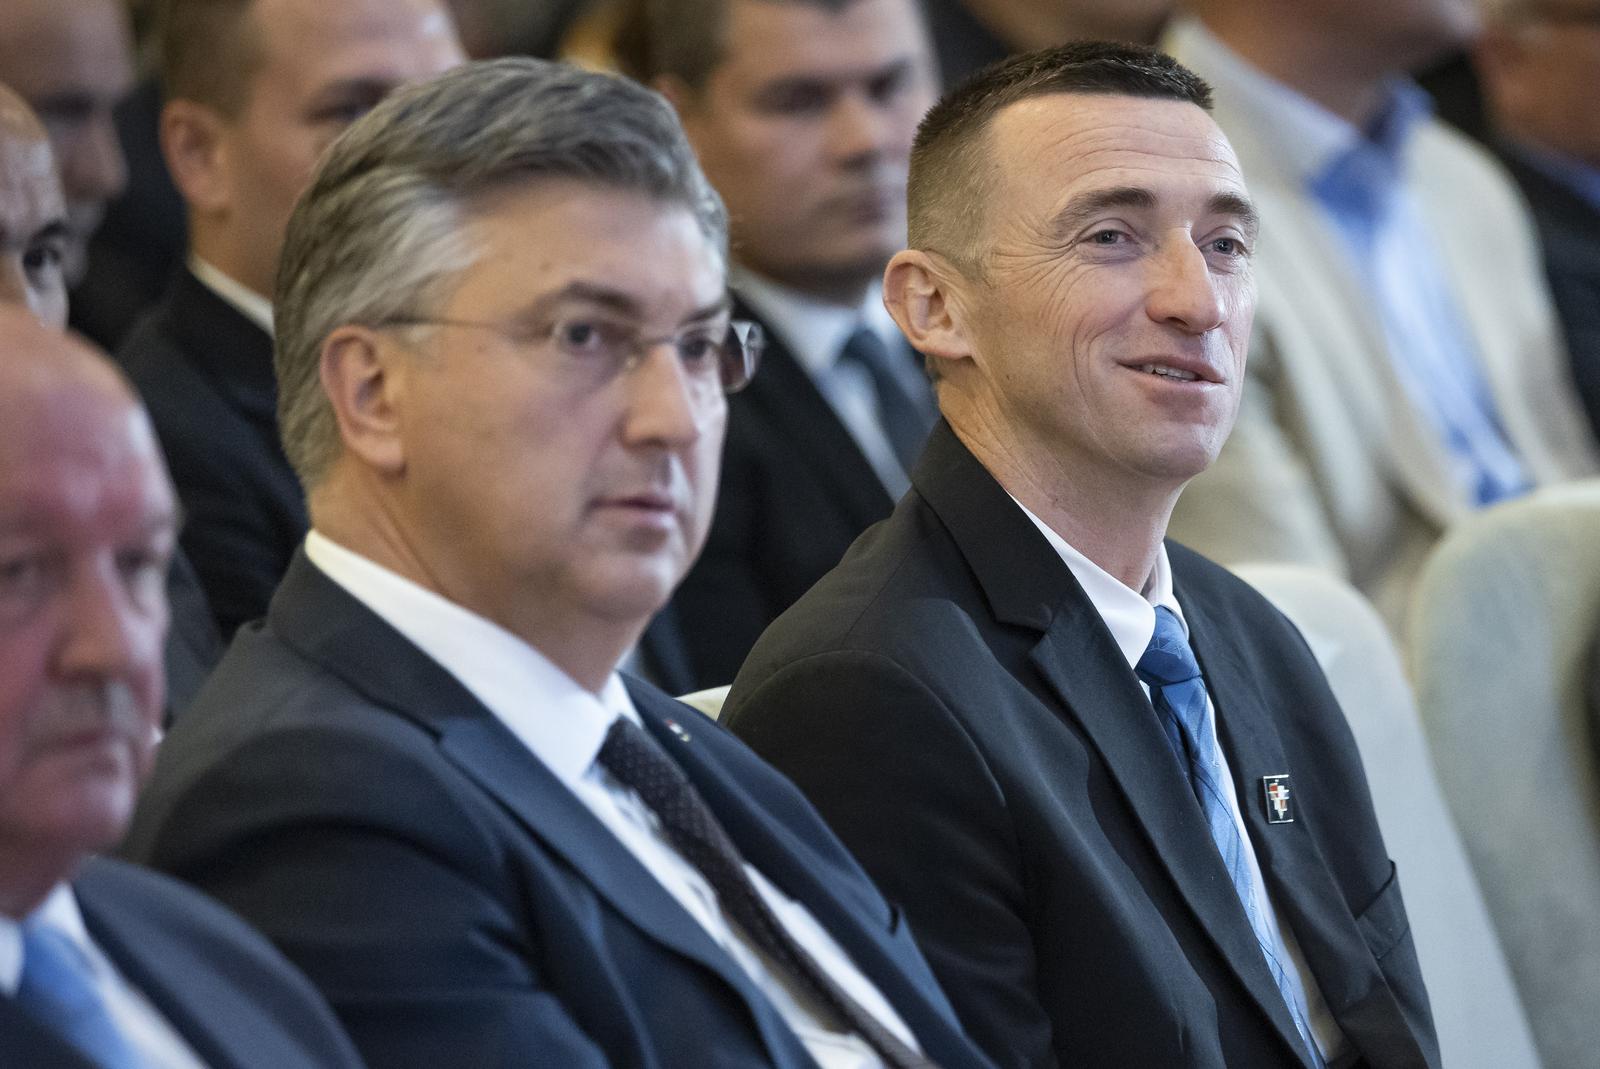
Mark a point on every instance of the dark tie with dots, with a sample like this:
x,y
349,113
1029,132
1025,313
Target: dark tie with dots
x,y
637,762
906,419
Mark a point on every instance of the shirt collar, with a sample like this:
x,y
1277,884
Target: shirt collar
x,y
1306,138
60,911
1581,178
550,713
814,331
244,300
1129,615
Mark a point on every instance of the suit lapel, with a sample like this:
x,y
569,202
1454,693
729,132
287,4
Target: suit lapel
x,y
153,960
1027,584
860,923
322,621
237,352
787,399
26,1042
1297,875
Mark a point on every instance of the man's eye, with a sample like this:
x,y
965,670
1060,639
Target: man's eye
x,y
41,258
585,338
698,349
23,582
1107,237
1229,247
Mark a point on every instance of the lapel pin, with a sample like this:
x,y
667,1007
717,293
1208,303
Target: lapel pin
x,y
677,729
1279,799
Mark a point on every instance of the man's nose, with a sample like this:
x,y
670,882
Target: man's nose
x,y
1184,291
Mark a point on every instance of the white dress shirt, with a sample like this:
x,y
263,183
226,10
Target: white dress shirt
x,y
815,332
146,1031
1130,616
563,725
246,301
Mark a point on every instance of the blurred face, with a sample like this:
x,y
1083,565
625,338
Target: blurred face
x,y
805,128
86,529
1408,34
1540,74
71,61
546,487
1109,334
33,229
322,66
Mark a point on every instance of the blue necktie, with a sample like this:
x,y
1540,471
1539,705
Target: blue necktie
x,y
58,991
1178,693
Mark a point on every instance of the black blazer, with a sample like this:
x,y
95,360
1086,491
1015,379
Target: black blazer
x,y
205,372
955,707
1569,229
232,997
453,899
795,492
193,645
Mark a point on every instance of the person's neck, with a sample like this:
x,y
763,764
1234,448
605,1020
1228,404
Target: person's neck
x,y
1116,523
842,291
30,876
223,255
587,649
1347,82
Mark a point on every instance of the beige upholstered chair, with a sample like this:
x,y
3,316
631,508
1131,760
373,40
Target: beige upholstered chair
x,y
708,701
1476,1008
1500,641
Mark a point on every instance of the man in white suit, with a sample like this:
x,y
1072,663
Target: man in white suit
x,y
1406,366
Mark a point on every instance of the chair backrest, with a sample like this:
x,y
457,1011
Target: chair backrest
x,y
1476,1008
1501,631
708,701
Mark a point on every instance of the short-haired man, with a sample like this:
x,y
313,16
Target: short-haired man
x,y
504,340
72,61
802,113
1407,367
33,215
1538,62
255,90
101,964
1112,855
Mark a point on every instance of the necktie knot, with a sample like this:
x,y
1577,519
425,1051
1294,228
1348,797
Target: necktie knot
x,y
1168,659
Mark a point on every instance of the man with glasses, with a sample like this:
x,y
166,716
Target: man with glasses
x,y
503,348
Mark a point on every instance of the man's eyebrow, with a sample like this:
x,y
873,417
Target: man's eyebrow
x,y
1239,207
1080,210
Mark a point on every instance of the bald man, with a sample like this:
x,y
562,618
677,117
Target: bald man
x,y
103,964
33,221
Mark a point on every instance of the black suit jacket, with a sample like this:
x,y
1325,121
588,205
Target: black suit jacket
x,y
193,645
795,492
205,372
1569,229
453,899
954,705
222,987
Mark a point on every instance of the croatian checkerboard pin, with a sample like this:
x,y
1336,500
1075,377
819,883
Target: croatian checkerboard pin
x,y
1279,798
678,730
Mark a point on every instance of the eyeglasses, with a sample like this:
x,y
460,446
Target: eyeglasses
x,y
596,350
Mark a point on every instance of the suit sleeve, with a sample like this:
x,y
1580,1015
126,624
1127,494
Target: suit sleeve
x,y
1259,500
903,785
389,894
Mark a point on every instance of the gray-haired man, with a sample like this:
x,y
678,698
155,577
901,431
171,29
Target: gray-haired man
x,y
503,344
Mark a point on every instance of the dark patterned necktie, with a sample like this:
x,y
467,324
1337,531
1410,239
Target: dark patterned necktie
x,y
906,420
637,762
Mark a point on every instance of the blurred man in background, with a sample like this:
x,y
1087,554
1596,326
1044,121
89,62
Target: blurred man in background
x,y
255,90
1407,366
33,216
802,113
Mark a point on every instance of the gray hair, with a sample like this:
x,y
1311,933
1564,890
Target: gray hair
x,y
379,234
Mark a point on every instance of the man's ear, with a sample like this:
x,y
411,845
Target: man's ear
x,y
923,291
364,375
196,151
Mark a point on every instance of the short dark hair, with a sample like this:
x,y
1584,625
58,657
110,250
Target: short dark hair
x,y
208,52
683,39
945,192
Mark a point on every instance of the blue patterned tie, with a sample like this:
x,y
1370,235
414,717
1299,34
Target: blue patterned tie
x,y
1178,693
58,991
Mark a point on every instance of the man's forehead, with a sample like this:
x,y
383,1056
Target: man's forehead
x,y
30,193
801,39
351,35
61,48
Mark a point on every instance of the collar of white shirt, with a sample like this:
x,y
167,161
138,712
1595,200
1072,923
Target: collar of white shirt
x,y
814,331
563,729
1129,614
244,300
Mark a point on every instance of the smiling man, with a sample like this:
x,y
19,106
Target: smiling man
x,y
1105,778
504,342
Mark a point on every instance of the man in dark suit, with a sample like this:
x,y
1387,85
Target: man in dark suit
x,y
34,234
1538,65
104,966
802,113
504,340
249,107
1112,853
